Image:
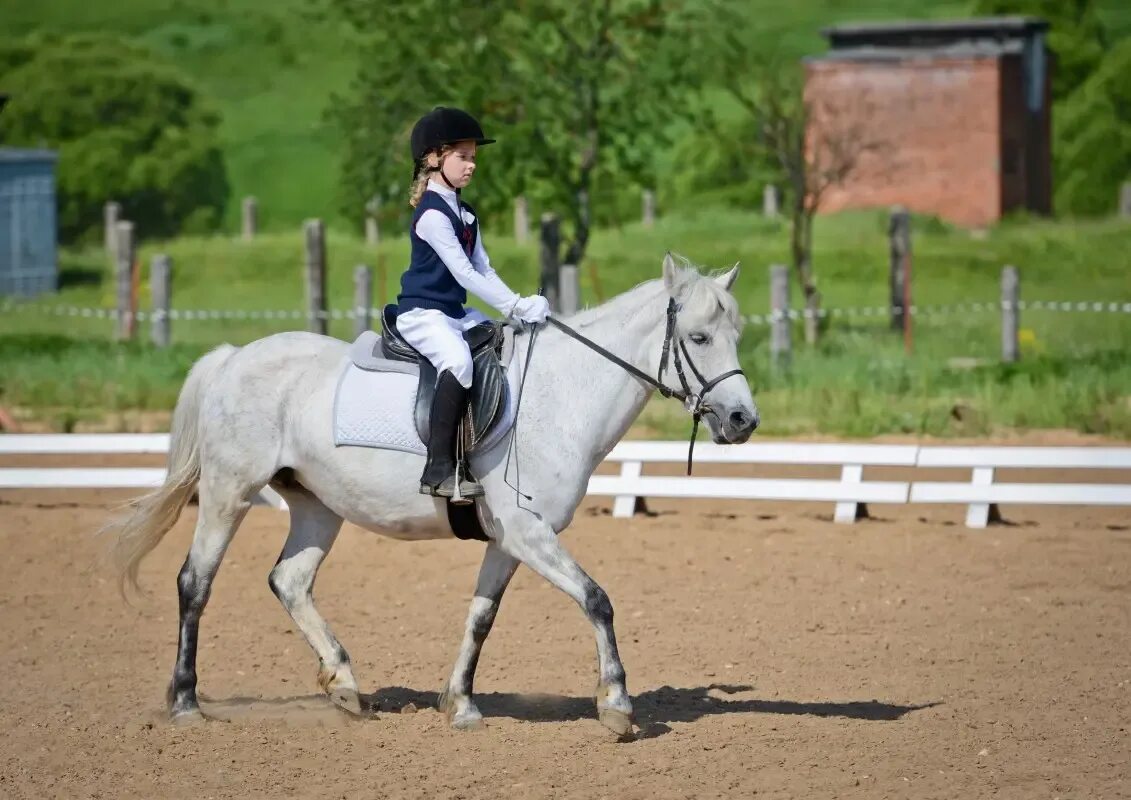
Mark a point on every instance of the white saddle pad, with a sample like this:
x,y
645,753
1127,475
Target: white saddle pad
x,y
376,408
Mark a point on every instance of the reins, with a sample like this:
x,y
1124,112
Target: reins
x,y
694,403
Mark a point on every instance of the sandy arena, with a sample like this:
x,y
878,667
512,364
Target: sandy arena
x,y
769,651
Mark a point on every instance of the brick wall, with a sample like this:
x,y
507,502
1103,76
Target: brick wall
x,y
932,130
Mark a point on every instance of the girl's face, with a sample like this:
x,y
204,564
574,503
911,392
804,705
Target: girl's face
x,y
458,164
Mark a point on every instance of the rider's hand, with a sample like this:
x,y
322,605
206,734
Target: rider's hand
x,y
532,309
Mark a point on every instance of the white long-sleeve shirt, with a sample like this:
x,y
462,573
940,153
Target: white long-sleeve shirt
x,y
476,274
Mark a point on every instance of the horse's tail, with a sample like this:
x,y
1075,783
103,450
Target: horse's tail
x,y
150,517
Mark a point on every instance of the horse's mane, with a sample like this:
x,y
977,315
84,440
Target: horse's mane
x,y
699,293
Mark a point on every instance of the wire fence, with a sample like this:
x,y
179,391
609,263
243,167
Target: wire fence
x,y
848,312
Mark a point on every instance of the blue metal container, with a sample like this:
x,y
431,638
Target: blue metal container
x,y
28,229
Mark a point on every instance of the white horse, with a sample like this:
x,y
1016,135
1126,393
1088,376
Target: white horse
x,y
261,414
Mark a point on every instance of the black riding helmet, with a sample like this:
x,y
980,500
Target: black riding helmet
x,y
443,125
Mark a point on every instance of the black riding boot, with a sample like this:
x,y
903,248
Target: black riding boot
x,y
449,403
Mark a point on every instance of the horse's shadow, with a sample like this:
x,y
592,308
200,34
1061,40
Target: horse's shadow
x,y
655,708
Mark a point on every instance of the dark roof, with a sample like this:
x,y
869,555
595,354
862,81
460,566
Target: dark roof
x,y
9,154
981,37
933,33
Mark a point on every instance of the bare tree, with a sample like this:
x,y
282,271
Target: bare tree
x,y
815,144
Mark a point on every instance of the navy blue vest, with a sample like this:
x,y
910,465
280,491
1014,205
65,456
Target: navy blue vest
x,y
428,283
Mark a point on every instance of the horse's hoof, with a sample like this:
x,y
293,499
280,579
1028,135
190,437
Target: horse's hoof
x,y
346,699
467,721
188,718
618,722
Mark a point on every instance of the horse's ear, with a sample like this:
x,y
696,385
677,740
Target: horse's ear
x,y
671,274
727,279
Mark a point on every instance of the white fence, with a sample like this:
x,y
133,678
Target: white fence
x,y
850,493
93,477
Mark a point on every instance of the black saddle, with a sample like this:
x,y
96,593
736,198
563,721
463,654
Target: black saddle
x,y
488,380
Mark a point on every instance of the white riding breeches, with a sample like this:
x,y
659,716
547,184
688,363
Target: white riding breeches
x,y
439,338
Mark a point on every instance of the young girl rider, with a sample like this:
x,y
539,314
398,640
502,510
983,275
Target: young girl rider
x,y
448,260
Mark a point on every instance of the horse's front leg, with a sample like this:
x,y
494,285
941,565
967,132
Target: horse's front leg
x,y
535,544
494,575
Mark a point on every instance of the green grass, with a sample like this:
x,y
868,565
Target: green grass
x,y
1075,372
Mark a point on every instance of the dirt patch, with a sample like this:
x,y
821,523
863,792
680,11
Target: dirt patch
x,y
768,651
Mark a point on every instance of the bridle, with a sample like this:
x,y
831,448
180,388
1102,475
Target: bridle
x,y
695,403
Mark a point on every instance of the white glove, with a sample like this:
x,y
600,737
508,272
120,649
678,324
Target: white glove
x,y
532,309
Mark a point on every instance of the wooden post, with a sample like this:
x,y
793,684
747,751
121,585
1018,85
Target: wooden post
x,y
551,241
382,281
1125,200
362,298
110,214
315,234
1010,314
770,202
569,288
521,220
124,278
780,338
648,211
372,229
899,246
250,218
161,293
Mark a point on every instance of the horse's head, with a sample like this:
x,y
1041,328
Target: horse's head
x,y
704,343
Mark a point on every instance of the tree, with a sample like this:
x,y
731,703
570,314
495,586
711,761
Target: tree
x,y
1076,36
1093,135
127,127
571,90
815,142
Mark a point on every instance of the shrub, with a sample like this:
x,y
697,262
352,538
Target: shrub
x,y
127,127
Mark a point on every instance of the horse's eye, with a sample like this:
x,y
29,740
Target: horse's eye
x,y
699,338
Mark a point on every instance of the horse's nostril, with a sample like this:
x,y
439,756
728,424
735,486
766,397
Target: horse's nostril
x,y
739,419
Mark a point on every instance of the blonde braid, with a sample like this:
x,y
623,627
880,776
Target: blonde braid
x,y
419,185
421,178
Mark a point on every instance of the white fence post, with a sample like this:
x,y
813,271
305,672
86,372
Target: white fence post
x,y
625,504
978,515
850,511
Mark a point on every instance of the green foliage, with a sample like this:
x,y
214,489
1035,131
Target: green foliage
x,y
127,127
571,91
1077,36
1093,135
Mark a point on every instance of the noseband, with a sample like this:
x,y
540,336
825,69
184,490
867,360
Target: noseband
x,y
674,345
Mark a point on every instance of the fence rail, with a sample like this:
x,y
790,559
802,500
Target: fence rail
x,y
851,493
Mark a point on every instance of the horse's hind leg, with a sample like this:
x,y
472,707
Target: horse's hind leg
x,y
314,528
536,545
220,514
494,575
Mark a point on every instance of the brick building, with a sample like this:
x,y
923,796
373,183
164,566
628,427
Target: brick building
x,y
953,117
